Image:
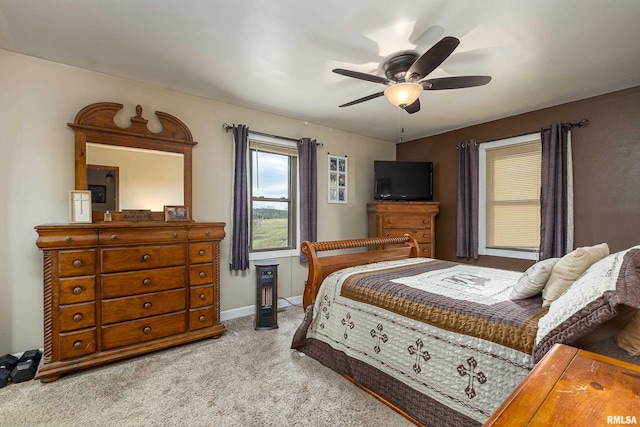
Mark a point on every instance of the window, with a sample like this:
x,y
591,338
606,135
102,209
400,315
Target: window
x,y
509,197
273,202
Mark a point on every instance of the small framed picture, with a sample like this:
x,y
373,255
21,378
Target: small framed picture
x,y
80,206
337,184
98,193
176,213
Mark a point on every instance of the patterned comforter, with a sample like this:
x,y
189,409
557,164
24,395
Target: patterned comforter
x,y
440,340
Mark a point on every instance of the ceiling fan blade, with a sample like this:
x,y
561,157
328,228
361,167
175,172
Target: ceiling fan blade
x,y
455,82
413,108
362,76
432,59
366,98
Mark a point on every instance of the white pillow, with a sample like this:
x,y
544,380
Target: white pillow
x,y
569,268
534,279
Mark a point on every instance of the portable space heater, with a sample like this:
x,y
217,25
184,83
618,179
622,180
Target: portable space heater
x,y
266,294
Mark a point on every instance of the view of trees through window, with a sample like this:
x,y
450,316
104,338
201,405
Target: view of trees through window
x,y
272,218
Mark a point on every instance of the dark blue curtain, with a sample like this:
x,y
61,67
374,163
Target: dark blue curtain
x,y
554,191
467,210
308,173
240,235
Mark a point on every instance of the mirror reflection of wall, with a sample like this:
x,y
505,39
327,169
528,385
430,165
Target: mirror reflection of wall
x,y
103,184
147,179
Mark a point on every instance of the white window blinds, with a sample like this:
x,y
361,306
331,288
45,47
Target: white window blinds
x,y
513,196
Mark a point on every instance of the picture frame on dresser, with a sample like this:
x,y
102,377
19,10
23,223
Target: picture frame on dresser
x,y
80,206
176,213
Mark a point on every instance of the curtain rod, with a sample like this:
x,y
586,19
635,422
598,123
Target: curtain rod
x,y
228,127
581,123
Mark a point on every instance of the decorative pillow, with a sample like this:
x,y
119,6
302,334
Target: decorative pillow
x,y
533,280
569,268
607,290
629,338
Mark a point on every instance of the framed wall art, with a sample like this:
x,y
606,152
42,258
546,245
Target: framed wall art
x,y
80,206
337,183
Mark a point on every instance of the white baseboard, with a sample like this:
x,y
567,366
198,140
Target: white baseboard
x,y
250,310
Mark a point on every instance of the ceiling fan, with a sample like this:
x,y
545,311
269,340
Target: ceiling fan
x,y
406,72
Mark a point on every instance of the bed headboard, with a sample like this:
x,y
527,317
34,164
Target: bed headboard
x,y
321,267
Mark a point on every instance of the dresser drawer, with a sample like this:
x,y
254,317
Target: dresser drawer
x,y
206,232
143,257
423,208
142,330
405,221
425,250
201,274
143,281
422,236
200,318
128,308
80,289
67,238
201,296
77,316
119,236
76,344
77,263
200,253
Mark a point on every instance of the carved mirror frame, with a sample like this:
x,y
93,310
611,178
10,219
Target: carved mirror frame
x,y
95,124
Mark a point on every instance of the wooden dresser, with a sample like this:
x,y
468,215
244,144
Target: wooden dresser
x,y
391,219
121,289
572,387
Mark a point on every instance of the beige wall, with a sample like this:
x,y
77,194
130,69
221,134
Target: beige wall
x,y
39,98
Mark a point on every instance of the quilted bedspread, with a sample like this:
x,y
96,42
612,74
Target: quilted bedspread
x,y
440,340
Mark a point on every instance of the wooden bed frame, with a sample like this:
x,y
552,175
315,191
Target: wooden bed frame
x,y
321,267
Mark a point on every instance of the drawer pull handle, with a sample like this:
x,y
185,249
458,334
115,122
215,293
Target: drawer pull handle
x,y
202,318
146,282
77,317
175,234
425,221
77,290
202,275
114,237
147,329
77,263
68,239
202,252
147,306
390,221
207,233
77,345
203,297
146,258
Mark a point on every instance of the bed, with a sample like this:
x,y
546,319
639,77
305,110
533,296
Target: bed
x,y
441,342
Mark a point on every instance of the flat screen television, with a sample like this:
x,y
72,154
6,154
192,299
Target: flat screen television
x,y
397,180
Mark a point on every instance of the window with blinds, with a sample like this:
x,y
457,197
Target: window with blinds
x,y
510,197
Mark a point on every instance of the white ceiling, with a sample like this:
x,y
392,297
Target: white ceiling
x,y
277,55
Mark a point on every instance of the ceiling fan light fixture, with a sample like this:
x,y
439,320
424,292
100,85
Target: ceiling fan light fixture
x,y
403,94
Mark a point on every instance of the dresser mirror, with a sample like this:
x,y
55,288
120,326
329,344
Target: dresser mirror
x,y
133,167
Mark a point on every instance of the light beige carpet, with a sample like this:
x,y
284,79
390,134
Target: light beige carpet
x,y
245,378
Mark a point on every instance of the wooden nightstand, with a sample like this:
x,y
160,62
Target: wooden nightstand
x,y
572,387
